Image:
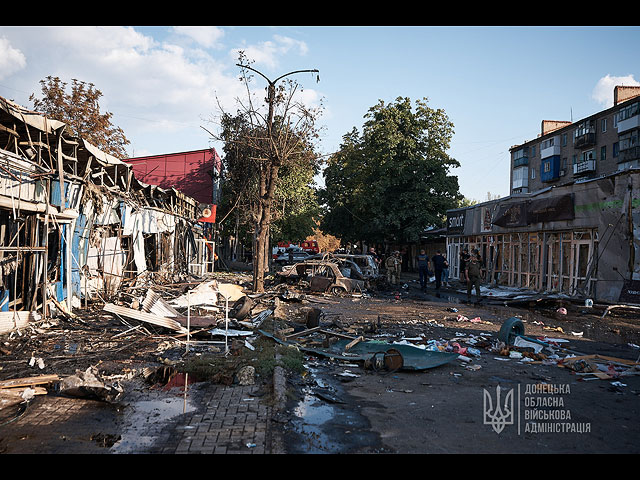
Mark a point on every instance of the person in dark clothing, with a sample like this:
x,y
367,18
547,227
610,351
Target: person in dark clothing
x,y
464,260
423,269
474,275
438,262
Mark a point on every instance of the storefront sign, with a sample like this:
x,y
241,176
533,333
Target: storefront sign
x,y
551,209
512,215
536,211
455,221
630,292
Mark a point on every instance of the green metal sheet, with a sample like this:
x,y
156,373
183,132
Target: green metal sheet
x,y
414,358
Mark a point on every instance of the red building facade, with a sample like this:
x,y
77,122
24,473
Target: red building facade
x,y
195,173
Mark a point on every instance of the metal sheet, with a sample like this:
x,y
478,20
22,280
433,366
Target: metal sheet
x,y
413,358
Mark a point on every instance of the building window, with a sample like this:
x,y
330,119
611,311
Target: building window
x,y
533,173
547,167
616,149
603,152
574,159
564,139
533,151
564,163
603,125
628,112
588,155
629,140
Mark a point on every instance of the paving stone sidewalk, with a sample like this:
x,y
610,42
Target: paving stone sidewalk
x,y
221,420
228,420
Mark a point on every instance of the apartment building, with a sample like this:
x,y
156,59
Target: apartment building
x,y
571,224
569,152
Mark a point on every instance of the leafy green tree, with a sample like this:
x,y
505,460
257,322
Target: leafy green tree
x,y
393,181
80,110
295,203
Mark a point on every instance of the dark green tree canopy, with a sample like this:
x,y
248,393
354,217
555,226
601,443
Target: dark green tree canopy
x,y
394,180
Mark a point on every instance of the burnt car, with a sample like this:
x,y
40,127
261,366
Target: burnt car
x,y
366,263
326,276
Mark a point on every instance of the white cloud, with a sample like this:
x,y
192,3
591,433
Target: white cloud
x,y
603,91
268,52
12,60
207,37
159,91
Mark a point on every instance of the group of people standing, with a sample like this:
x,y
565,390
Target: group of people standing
x,y
437,264
471,269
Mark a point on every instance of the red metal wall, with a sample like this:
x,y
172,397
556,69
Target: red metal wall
x,y
188,172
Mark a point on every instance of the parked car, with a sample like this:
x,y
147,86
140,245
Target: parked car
x,y
289,258
325,276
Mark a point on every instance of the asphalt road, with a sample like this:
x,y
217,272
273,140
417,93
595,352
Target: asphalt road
x,y
343,408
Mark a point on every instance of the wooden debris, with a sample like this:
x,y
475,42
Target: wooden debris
x,y
308,331
29,381
353,343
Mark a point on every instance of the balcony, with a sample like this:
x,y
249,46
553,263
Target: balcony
x,y
549,151
629,154
520,182
585,140
584,167
550,169
519,162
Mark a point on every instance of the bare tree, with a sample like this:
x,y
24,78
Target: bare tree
x,y
271,139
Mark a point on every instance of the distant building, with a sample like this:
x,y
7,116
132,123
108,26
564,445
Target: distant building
x,y
195,173
567,152
572,222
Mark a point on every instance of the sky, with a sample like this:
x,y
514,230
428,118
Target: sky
x,y
166,85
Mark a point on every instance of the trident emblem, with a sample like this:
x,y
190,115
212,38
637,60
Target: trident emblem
x,y
502,414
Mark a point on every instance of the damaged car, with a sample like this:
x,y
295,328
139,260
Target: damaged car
x,y
335,277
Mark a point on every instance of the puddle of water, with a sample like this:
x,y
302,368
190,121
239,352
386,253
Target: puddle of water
x,y
146,419
311,415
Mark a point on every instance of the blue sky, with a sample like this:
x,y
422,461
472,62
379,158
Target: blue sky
x,y
496,84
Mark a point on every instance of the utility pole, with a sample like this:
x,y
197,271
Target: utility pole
x,y
268,181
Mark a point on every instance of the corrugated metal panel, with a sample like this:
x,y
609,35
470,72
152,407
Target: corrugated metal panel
x,y
188,172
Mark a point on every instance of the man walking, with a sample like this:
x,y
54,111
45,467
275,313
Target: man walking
x,y
473,276
423,269
438,265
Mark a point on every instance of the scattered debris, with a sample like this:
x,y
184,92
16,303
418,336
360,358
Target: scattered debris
x,y
90,384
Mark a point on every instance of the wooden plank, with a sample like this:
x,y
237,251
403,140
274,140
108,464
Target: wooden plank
x,y
353,343
304,332
29,381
